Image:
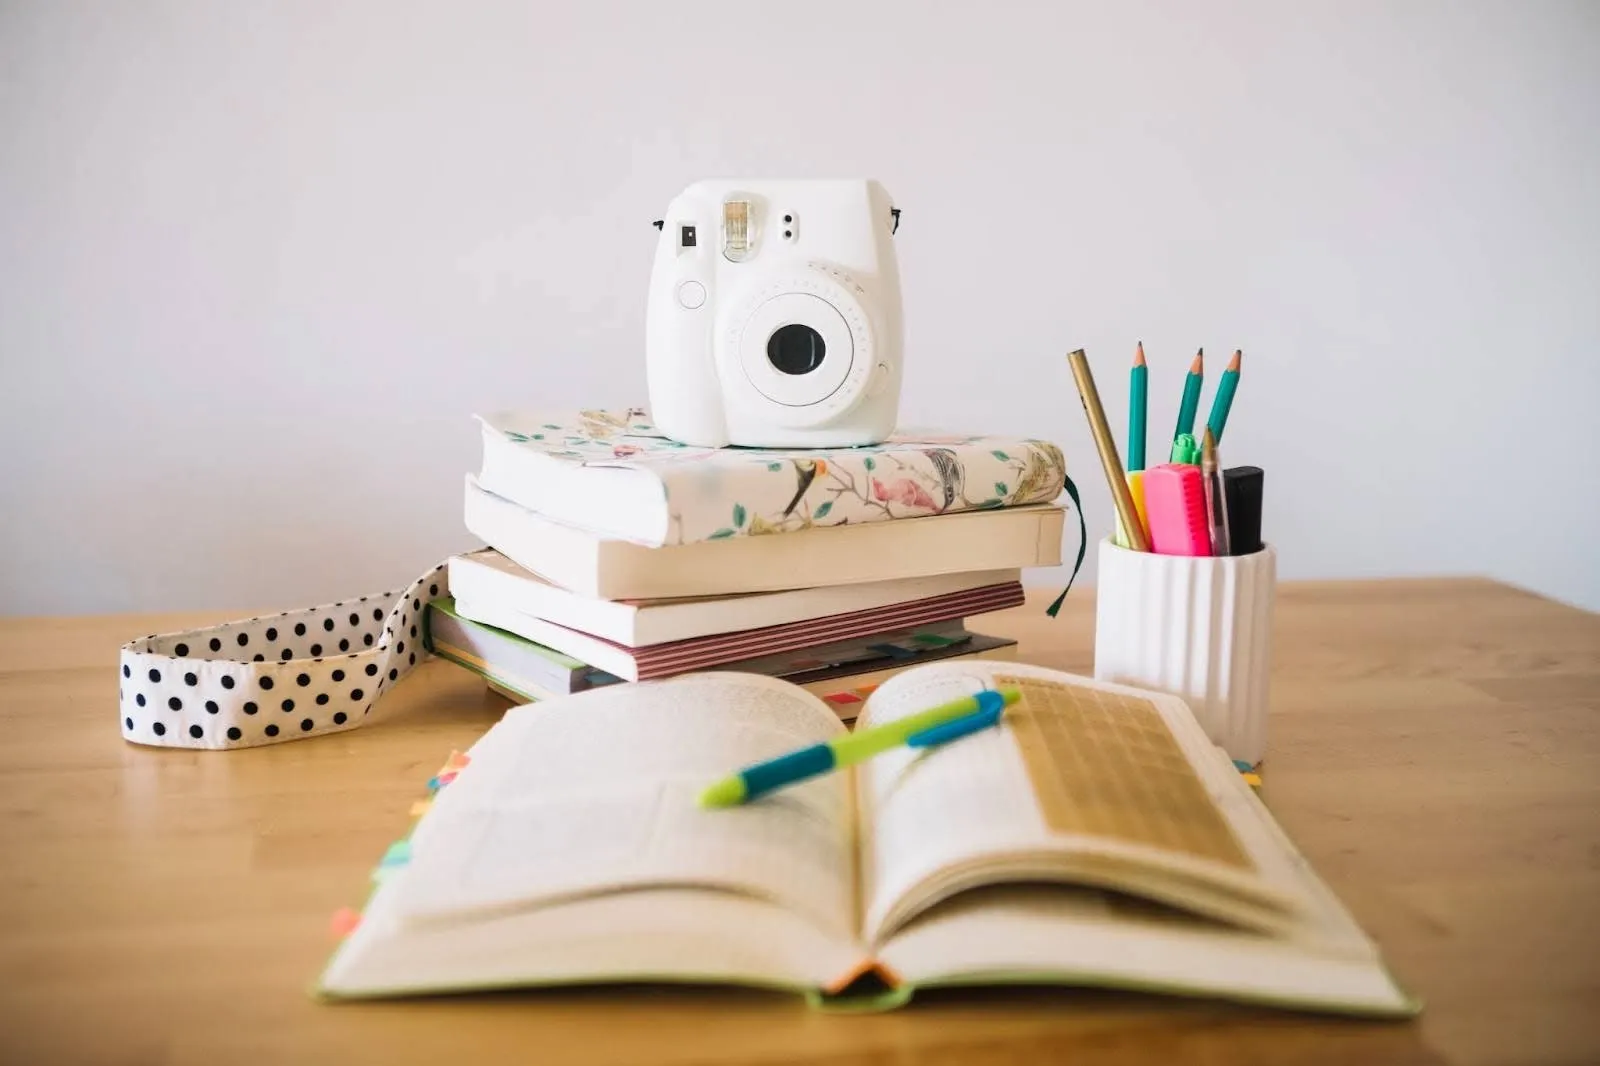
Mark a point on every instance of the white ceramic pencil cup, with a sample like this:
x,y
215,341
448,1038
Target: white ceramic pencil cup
x,y
1197,627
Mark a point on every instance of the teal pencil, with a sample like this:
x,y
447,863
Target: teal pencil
x,y
1223,401
936,725
1138,403
1191,395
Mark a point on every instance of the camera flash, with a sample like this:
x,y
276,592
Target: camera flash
x,y
736,229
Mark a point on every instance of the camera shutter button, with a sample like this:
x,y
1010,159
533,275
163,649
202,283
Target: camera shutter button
x,y
691,294
880,378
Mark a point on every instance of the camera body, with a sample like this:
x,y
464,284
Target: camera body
x,y
774,315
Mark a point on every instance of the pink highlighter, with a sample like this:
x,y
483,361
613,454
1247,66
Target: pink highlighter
x,y
1175,504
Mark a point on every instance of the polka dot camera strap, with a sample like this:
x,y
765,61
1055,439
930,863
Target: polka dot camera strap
x,y
275,678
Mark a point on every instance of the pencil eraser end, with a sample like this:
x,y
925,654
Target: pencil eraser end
x,y
729,792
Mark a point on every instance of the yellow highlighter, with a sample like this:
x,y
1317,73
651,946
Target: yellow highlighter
x,y
1136,490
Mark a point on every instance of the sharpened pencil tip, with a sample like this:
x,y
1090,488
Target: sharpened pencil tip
x,y
1138,355
1199,364
1233,364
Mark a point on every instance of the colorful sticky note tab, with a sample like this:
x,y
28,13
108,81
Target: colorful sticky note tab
x,y
399,854
456,761
344,921
1253,780
1242,766
842,697
419,808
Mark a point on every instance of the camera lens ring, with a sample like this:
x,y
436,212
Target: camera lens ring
x,y
806,307
816,296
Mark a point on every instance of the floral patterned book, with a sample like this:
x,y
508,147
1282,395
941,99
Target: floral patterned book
x,y
614,474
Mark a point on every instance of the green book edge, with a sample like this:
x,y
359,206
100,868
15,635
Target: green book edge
x,y
510,684
447,605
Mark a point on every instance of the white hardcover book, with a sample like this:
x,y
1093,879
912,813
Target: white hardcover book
x,y
1002,538
489,578
720,649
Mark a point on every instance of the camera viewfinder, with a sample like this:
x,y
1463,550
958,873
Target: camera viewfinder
x,y
736,229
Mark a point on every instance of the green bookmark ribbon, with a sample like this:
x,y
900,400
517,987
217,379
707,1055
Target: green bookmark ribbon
x,y
1083,547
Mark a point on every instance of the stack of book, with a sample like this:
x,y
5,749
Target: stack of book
x,y
615,555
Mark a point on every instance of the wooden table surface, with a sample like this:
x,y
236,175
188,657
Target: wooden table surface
x,y
1433,749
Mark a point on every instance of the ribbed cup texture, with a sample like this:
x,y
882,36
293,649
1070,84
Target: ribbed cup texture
x,y
1198,628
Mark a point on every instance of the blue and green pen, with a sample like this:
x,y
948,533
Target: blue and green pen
x,y
925,729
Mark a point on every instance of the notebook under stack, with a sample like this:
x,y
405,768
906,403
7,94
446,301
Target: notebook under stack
x,y
616,555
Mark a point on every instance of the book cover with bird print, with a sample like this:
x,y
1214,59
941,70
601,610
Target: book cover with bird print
x,y
714,493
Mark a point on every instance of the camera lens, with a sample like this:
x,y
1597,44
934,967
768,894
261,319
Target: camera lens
x,y
795,349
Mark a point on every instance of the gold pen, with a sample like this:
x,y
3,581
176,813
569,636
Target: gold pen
x,y
1132,528
1216,503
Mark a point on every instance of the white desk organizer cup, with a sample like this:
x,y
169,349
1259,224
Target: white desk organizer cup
x,y
1199,627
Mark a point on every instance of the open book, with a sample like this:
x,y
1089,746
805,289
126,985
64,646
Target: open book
x,y
1096,837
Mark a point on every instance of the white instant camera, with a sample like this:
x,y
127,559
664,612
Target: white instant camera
x,y
774,315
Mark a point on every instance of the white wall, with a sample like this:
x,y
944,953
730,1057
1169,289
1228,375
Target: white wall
x,y
260,263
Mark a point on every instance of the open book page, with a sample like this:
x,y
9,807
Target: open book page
x,y
1046,933
1082,783
1043,934
645,934
598,792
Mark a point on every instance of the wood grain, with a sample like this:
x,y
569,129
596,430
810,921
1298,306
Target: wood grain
x,y
1434,750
